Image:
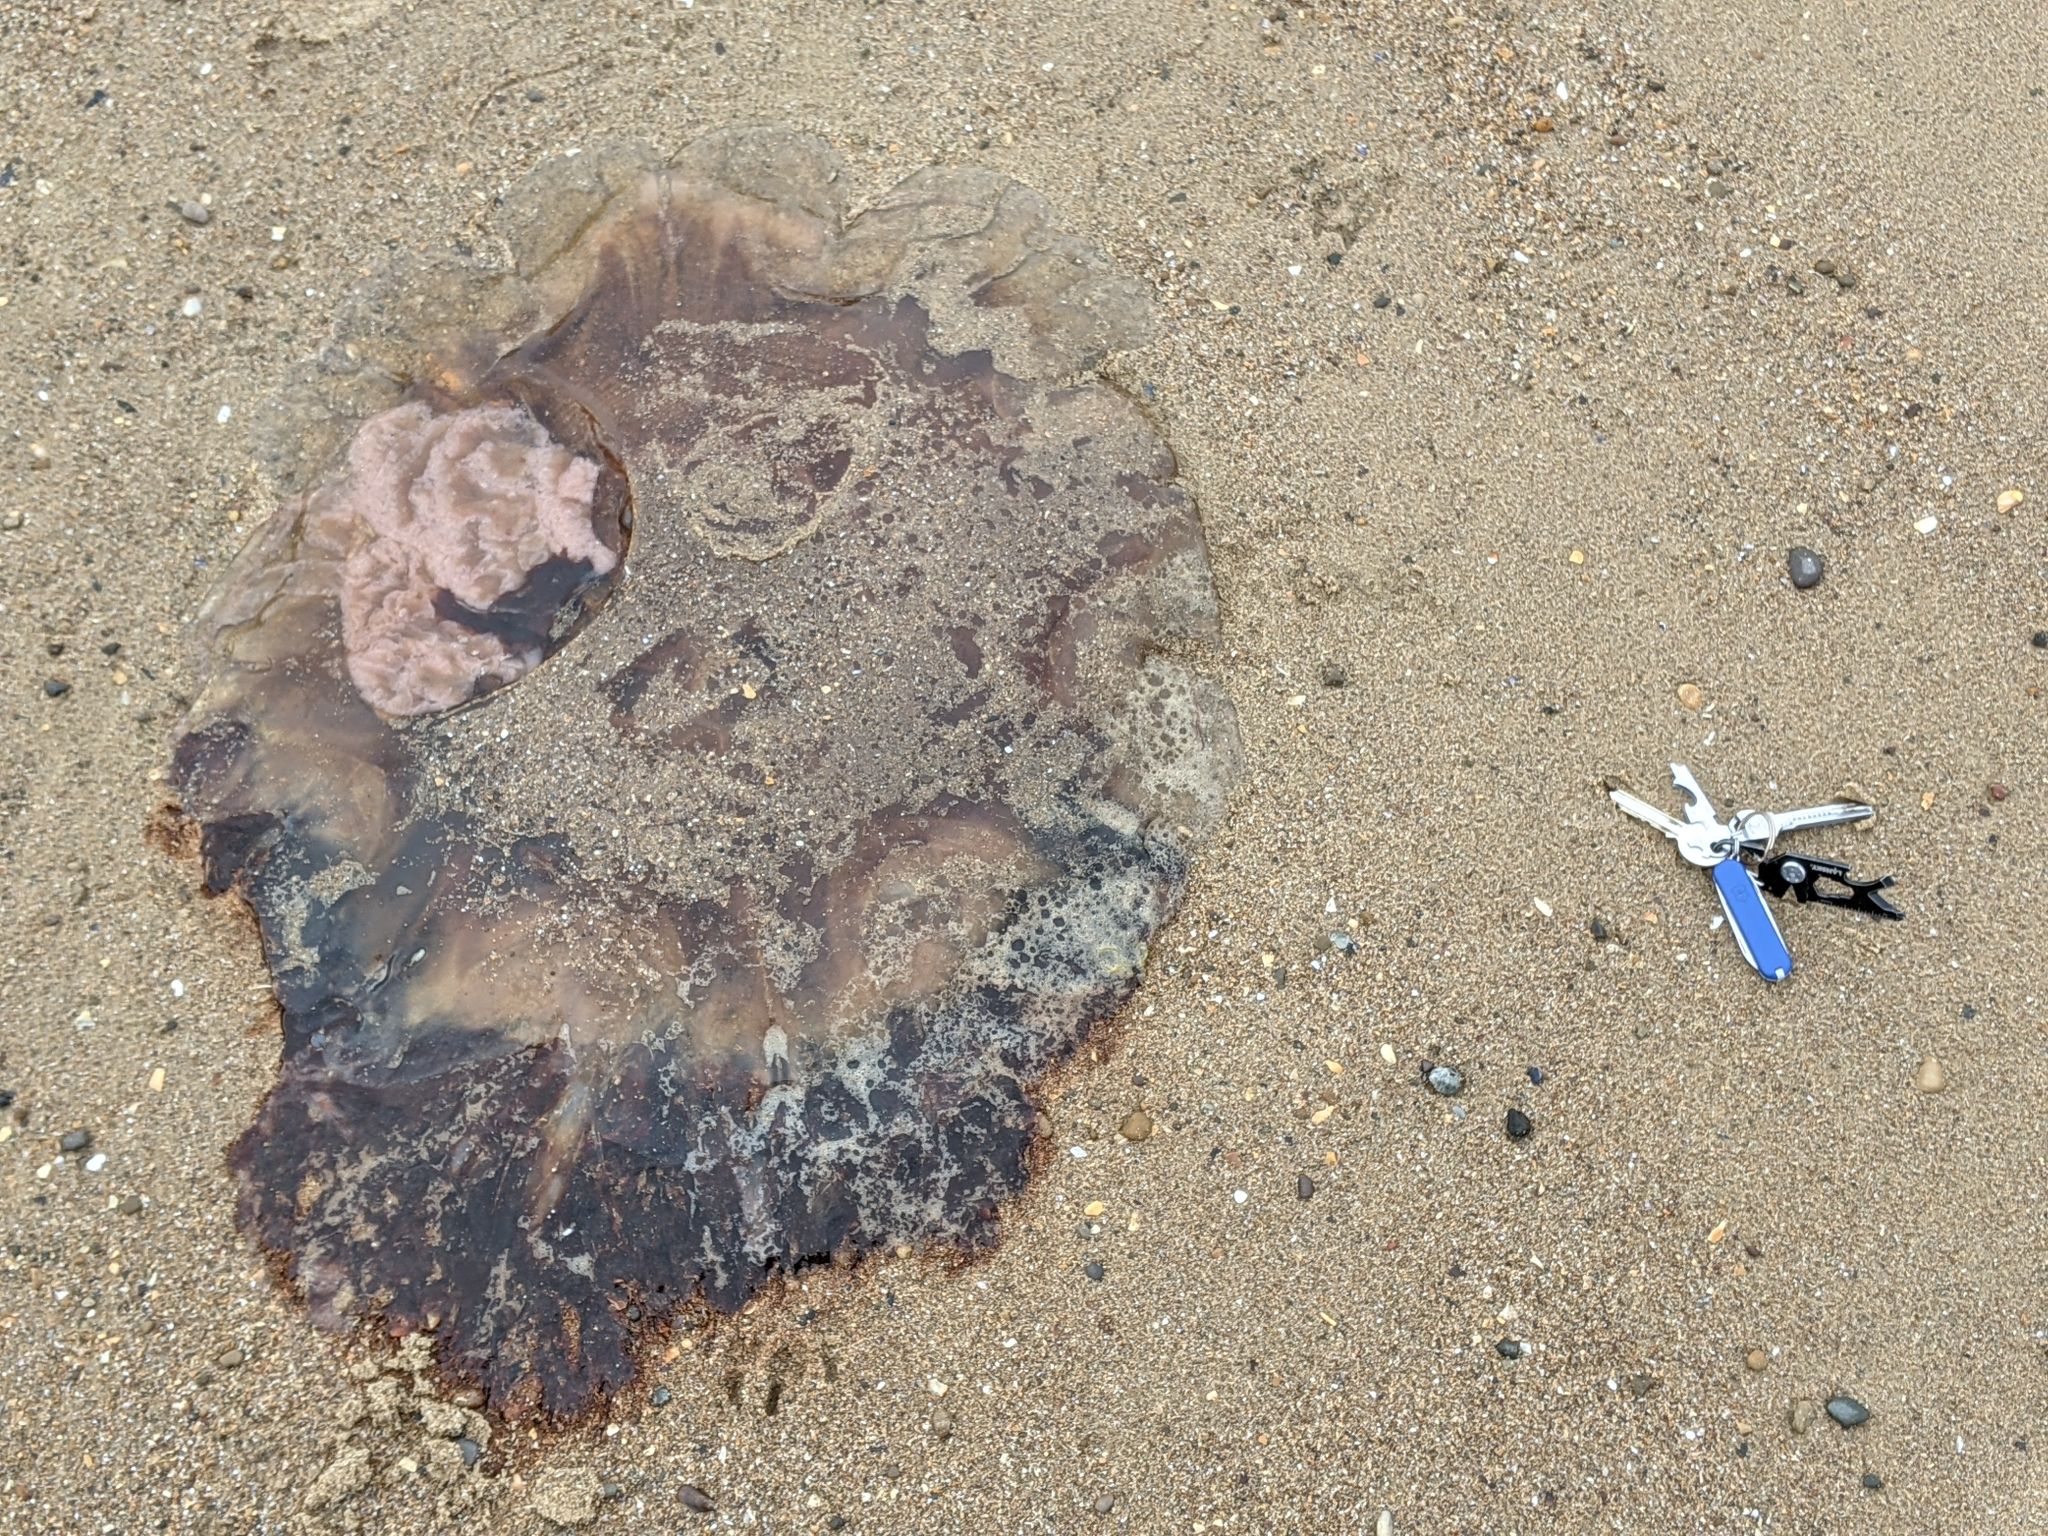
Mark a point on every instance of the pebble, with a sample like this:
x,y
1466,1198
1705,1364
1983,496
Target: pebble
x,y
566,1496
1931,1078
1804,566
74,1141
1305,1187
229,1358
1872,1481
1519,1126
97,1163
1137,1126
131,1205
1847,1412
472,1453
1447,1081
193,212
1384,1526
1801,1416
10,519
1105,1504
1716,187
942,1423
2009,501
659,1397
1094,1270
1756,1359
1690,696
695,1498
1536,1076
55,687
1508,1349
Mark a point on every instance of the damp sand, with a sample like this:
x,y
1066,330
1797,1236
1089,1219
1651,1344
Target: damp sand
x,y
1506,357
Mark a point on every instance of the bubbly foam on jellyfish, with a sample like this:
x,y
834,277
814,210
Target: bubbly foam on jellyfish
x,y
709,728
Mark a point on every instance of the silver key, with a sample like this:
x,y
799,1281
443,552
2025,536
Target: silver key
x,y
1758,831
1703,842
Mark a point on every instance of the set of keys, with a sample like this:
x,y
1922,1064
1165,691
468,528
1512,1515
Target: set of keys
x,y
1724,847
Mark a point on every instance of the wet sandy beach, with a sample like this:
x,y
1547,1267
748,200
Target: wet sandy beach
x,y
1507,354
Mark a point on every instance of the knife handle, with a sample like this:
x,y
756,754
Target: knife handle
x,y
1756,931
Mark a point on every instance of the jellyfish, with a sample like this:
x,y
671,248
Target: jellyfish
x,y
715,717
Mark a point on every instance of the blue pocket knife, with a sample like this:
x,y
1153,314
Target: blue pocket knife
x,y
1713,844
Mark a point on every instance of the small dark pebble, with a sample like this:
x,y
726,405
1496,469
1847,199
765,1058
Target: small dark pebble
x,y
1305,1187
131,1205
1508,1349
55,687
1598,928
6,1098
1847,1412
835,1522
1872,1481
1094,1270
2040,640
1536,1076
695,1498
472,1453
74,1141
1447,1081
1335,258
1518,1125
1804,567
1381,301
659,1397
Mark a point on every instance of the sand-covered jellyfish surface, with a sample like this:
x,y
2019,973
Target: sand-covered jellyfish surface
x,y
714,718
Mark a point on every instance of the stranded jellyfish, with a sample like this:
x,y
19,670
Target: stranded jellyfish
x,y
709,726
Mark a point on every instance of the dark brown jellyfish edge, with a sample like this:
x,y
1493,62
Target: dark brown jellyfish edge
x,y
707,729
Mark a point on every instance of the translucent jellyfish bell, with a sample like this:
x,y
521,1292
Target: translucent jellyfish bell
x,y
710,726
